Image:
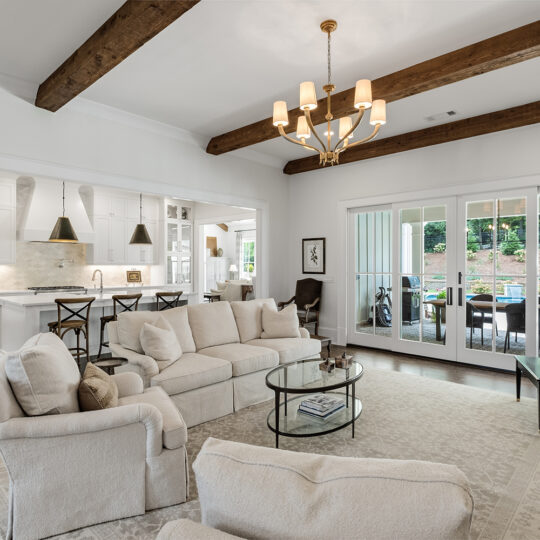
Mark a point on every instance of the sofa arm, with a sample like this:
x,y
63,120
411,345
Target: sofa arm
x,y
61,425
185,528
146,364
304,334
129,383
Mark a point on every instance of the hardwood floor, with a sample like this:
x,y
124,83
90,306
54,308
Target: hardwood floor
x,y
471,376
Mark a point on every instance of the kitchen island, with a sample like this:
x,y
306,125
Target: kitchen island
x,y
22,316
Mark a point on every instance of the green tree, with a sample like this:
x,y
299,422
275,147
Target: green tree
x,y
511,244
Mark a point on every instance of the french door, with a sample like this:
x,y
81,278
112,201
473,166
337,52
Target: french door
x,y
446,278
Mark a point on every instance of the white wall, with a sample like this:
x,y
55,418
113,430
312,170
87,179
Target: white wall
x,y
314,196
98,145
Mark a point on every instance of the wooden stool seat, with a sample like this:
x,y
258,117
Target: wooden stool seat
x,y
77,316
68,324
121,303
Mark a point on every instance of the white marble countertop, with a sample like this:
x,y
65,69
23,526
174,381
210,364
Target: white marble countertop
x,y
105,299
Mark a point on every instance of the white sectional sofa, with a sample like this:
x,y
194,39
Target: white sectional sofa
x,y
224,359
262,493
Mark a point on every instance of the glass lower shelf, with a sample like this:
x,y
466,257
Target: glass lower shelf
x,y
297,424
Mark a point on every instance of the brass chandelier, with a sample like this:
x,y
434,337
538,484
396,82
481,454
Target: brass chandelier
x,y
329,153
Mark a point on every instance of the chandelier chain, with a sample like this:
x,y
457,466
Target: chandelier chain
x,y
329,61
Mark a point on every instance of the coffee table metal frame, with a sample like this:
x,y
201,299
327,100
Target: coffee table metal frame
x,y
345,383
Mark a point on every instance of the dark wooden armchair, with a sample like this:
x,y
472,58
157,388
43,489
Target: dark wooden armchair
x,y
308,301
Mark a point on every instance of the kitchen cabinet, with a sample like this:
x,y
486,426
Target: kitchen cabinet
x,y
115,215
110,243
143,254
7,221
150,209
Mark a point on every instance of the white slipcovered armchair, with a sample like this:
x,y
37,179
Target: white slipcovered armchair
x,y
68,471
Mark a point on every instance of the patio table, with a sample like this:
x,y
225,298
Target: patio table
x,y
440,303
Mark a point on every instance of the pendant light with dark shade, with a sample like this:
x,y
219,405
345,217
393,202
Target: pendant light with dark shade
x,y
63,231
140,234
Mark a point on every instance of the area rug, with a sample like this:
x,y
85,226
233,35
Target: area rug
x,y
488,435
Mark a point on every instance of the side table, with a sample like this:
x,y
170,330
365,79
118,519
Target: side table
x,y
108,364
325,342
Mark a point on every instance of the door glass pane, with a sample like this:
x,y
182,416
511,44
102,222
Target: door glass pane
x,y
480,233
479,320
510,314
511,236
383,241
411,240
364,242
373,267
185,270
172,269
411,299
364,303
434,310
383,304
172,237
186,238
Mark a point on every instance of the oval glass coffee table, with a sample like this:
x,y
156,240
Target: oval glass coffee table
x,y
303,378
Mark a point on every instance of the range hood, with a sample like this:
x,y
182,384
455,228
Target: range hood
x,y
39,204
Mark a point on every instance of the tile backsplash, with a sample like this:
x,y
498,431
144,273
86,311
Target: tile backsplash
x,y
41,264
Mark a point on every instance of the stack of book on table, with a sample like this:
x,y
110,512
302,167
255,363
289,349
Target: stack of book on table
x,y
321,406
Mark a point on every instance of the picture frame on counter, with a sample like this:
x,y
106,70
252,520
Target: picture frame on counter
x,y
133,276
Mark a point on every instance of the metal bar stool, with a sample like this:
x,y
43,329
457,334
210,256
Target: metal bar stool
x,y
168,300
121,303
77,319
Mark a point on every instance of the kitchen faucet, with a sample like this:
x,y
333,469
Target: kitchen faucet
x,y
100,279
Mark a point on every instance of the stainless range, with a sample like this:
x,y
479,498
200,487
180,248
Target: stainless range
x,y
59,288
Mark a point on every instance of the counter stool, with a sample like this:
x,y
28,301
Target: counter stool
x,y
77,318
169,300
121,303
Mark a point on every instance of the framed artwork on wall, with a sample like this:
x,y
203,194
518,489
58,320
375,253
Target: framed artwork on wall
x,y
314,256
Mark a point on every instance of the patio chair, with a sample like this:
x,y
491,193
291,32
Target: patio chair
x,y
515,321
477,317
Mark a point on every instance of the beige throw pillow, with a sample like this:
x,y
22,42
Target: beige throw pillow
x,y
129,326
279,324
44,376
97,390
159,341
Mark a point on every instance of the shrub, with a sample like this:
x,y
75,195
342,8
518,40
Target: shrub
x,y
441,295
481,288
511,244
520,255
440,247
471,254
490,255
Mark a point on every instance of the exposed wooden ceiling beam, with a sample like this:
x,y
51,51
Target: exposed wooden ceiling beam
x,y
223,226
496,52
523,115
136,22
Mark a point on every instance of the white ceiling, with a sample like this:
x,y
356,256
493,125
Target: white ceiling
x,y
223,63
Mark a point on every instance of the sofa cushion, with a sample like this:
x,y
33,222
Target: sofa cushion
x,y
97,390
192,371
212,324
159,341
129,326
244,358
290,349
174,427
280,324
44,376
248,316
178,319
243,489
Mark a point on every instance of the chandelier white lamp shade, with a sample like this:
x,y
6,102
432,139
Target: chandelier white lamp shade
x,y
327,150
